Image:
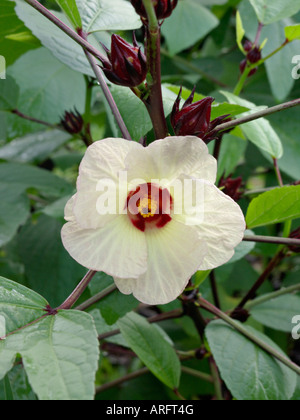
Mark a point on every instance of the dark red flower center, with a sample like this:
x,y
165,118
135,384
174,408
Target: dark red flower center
x,y
149,206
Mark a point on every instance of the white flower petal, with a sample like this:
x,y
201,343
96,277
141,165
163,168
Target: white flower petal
x,y
118,249
174,254
220,224
69,214
170,158
99,173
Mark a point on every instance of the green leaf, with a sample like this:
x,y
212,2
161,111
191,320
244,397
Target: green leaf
x,y
9,94
217,110
240,31
16,179
59,353
116,305
296,396
19,305
34,148
107,15
292,32
188,23
249,372
14,211
20,387
279,66
48,267
243,249
10,25
232,153
71,10
287,125
132,110
275,206
61,46
47,88
277,313
57,208
25,176
156,353
269,12
259,132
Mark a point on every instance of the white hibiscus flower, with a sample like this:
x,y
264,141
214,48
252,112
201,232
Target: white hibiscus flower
x,y
151,217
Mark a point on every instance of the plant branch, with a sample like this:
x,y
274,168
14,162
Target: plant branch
x,y
257,115
239,87
95,299
274,295
216,379
176,313
75,295
91,52
272,240
214,288
154,102
200,375
120,381
278,173
66,29
35,120
239,327
192,310
106,92
263,277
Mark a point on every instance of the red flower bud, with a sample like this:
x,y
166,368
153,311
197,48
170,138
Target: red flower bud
x,y
243,66
232,187
248,45
295,235
72,122
253,56
126,64
163,8
194,118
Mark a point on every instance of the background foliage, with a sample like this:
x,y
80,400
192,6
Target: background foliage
x,y
48,74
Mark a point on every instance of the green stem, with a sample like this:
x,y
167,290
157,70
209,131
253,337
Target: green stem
x,y
262,61
239,87
200,375
271,296
239,327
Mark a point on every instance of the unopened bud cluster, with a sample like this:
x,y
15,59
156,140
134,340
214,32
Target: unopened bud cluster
x,y
72,122
195,118
253,56
126,64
